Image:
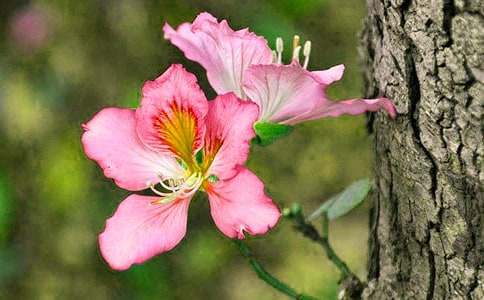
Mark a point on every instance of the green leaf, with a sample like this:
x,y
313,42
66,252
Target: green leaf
x,y
350,198
342,203
322,209
267,132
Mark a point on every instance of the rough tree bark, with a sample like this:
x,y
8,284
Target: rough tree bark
x,y
426,237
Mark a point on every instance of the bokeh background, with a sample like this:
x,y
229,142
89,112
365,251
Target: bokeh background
x,y
63,60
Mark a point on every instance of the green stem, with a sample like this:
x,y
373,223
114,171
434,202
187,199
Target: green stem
x,y
310,232
332,256
267,277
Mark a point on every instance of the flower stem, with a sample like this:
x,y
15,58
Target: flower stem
x,y
267,277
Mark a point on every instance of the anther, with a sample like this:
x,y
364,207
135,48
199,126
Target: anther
x,y
306,53
279,49
295,42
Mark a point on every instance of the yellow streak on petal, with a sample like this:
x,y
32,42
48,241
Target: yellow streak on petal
x,y
178,130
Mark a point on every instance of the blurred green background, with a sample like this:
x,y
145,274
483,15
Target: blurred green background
x,y
62,60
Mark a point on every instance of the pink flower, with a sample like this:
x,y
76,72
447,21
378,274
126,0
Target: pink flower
x,y
157,145
242,62
29,28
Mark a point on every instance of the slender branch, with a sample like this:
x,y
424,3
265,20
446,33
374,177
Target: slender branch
x,y
324,242
309,231
267,277
351,286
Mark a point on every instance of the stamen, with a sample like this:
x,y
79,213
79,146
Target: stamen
x,y
295,42
274,56
306,53
152,187
177,187
295,53
279,49
295,48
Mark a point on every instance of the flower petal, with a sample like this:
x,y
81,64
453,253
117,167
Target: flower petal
x,y
224,53
240,205
229,131
330,75
110,139
282,92
353,107
289,94
139,230
172,113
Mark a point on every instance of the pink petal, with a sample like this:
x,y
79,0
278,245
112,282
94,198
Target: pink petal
x,y
289,94
229,131
240,205
110,139
224,53
172,114
330,75
354,107
282,92
139,230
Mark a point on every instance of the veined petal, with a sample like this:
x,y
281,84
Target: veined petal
x,y
172,114
281,91
229,131
139,230
224,53
289,94
110,139
240,205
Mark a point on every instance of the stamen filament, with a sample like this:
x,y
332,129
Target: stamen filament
x,y
295,53
274,56
306,53
279,49
152,187
177,187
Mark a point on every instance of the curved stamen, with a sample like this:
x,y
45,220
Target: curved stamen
x,y
152,187
177,187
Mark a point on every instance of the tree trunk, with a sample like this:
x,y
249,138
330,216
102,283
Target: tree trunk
x,y
426,234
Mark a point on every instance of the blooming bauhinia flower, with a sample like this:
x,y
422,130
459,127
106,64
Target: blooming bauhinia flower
x,y
176,143
242,62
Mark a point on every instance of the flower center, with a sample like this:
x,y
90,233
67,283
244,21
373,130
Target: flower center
x,y
296,49
177,188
